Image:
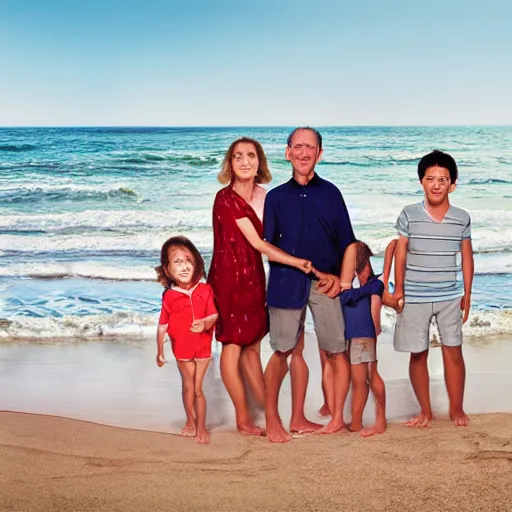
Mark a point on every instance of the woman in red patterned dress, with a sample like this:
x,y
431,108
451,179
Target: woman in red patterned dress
x,y
237,276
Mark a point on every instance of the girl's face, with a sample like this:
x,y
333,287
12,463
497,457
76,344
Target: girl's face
x,y
245,162
181,266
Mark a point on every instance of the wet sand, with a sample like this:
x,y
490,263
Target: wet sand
x,y
118,383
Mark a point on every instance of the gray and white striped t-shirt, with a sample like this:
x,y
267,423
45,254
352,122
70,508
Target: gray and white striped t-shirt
x,y
433,267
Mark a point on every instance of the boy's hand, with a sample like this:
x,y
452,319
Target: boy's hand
x,y
198,325
465,306
160,360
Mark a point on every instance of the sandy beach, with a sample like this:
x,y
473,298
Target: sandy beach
x,y
50,463
119,451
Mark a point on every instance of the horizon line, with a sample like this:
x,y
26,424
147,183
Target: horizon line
x,y
443,125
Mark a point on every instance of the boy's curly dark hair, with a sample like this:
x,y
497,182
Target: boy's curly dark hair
x,y
173,243
363,255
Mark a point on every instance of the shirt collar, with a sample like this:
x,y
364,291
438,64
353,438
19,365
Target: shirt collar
x,y
315,180
185,292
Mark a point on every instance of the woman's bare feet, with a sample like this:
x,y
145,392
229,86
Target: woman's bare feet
x,y
460,419
202,436
189,430
250,429
421,421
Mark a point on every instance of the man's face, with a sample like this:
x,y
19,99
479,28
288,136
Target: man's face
x,y
437,185
303,153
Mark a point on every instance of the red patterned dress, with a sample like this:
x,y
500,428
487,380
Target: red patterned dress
x,y
236,273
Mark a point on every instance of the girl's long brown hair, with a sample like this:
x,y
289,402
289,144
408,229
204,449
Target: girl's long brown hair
x,y
173,243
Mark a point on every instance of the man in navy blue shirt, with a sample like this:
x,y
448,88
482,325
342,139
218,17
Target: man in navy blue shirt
x,y
306,217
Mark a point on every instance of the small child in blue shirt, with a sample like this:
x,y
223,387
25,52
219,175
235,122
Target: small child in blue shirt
x,y
361,312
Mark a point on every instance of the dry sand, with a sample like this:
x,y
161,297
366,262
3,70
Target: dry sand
x,y
52,463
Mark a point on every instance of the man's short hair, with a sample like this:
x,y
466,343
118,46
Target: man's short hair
x,y
439,159
316,132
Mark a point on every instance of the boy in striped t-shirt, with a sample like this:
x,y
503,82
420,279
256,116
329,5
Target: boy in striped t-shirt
x,y
434,246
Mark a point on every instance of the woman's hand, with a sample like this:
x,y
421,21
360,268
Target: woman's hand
x,y
305,265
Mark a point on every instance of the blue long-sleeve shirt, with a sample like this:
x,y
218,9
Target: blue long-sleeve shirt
x,y
357,309
308,221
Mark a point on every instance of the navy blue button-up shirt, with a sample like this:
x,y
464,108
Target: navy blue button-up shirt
x,y
308,221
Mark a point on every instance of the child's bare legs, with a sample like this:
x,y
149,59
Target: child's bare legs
x,y
455,378
299,376
232,379
187,370
327,385
360,390
379,392
250,365
202,435
341,372
420,380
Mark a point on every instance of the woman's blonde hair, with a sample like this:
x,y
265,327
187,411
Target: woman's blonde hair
x,y
226,174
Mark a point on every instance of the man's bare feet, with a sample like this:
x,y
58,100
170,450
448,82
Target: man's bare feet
x,y
354,427
250,429
420,421
332,427
324,411
189,430
460,419
202,437
304,427
276,433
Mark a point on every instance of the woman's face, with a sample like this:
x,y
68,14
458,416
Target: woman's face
x,y
245,162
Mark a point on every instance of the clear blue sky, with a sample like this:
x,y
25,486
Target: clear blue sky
x,y
264,62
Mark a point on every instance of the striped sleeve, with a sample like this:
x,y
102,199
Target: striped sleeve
x,y
467,229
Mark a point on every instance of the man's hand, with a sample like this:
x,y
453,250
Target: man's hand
x,y
198,325
329,284
160,360
465,306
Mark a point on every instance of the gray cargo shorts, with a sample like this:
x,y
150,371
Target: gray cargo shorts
x,y
413,324
286,325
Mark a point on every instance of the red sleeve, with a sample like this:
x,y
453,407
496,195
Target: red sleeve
x,y
228,206
164,312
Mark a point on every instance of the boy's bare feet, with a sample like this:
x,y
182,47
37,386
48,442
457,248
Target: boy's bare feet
x,y
460,419
189,430
354,427
250,429
379,428
304,427
324,411
202,437
276,433
421,421
332,427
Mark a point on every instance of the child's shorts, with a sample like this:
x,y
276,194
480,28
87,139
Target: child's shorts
x,y
413,324
363,350
186,351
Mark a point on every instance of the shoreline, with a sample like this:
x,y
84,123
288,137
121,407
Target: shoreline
x,y
50,463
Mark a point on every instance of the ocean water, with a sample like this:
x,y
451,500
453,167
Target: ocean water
x,y
84,212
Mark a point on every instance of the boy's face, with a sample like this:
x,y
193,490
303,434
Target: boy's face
x,y
437,185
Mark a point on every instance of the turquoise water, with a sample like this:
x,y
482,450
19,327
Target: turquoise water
x,y
84,211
